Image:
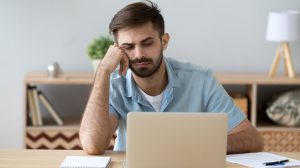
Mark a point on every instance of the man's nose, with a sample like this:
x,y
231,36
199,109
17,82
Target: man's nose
x,y
139,52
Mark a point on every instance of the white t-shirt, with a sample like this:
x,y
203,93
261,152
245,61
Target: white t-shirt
x,y
155,101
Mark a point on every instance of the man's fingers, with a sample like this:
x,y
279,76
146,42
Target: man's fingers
x,y
124,64
118,57
121,68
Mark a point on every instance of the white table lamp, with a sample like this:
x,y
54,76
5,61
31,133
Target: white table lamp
x,y
283,27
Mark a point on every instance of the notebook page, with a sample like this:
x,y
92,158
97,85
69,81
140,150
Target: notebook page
x,y
85,162
257,159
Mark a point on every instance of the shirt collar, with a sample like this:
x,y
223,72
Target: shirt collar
x,y
131,88
172,75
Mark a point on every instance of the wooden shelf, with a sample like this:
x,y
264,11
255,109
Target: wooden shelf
x,y
71,124
259,88
66,78
270,126
53,127
255,78
253,86
50,135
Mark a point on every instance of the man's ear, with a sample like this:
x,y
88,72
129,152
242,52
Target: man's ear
x,y
165,40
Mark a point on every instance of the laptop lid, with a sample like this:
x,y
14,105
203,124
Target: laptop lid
x,y
176,140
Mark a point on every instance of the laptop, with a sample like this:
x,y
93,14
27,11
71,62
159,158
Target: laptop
x,y
176,140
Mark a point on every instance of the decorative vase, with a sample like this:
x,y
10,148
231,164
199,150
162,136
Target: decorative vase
x,y
96,62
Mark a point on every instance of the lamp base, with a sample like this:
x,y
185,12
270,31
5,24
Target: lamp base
x,y
283,51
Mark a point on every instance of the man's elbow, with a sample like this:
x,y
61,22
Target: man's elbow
x,y
91,147
259,143
91,150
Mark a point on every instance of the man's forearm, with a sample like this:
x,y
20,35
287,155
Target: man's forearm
x,y
95,131
248,140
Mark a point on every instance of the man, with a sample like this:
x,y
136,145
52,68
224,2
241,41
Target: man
x,y
148,81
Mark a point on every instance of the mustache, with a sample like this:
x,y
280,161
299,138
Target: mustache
x,y
137,60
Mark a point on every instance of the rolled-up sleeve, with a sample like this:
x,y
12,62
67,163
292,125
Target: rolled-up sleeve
x,y
219,101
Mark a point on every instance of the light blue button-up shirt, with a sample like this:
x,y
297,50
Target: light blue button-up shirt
x,y
190,88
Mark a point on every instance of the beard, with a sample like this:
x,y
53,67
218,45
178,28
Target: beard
x,y
145,72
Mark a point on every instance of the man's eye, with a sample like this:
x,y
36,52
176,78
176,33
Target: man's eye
x,y
127,48
148,44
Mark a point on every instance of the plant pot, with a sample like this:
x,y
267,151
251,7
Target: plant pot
x,y
95,63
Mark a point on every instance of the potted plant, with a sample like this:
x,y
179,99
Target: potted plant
x,y
97,49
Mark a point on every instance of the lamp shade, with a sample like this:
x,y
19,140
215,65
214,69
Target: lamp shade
x,y
283,26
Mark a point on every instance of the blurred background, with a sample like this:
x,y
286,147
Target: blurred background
x,y
227,36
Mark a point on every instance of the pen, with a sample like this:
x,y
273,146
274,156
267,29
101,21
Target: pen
x,y
275,162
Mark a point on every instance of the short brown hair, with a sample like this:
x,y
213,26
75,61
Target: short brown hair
x,y
136,14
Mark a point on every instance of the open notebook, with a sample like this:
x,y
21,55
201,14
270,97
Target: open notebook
x,y
259,159
85,162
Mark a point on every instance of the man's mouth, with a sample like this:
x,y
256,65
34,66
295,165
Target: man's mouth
x,y
142,64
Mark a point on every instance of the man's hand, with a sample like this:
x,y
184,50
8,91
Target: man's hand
x,y
115,56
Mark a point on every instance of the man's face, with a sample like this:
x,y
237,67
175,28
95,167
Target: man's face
x,y
143,47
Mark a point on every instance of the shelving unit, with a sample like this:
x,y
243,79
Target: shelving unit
x,y
256,87
50,135
260,88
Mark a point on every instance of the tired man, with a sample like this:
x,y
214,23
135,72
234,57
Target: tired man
x,y
147,81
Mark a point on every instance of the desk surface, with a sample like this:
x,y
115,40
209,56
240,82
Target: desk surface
x,y
53,158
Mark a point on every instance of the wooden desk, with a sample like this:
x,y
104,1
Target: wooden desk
x,y
53,158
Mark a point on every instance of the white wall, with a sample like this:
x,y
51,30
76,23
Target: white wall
x,y
223,35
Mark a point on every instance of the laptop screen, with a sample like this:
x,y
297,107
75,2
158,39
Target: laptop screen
x,y
176,139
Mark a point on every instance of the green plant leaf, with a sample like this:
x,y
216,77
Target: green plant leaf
x,y
98,47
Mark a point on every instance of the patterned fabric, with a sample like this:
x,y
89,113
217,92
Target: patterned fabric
x,y
275,141
281,141
56,139
285,110
52,139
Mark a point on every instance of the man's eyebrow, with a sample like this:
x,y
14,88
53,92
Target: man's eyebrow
x,y
127,44
144,40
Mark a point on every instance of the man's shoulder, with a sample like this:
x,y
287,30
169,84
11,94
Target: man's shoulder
x,y
187,67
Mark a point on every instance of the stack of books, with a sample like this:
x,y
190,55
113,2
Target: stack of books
x,y
34,98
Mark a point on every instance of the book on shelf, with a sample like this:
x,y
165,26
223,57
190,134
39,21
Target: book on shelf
x,y
31,107
50,108
37,106
35,97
